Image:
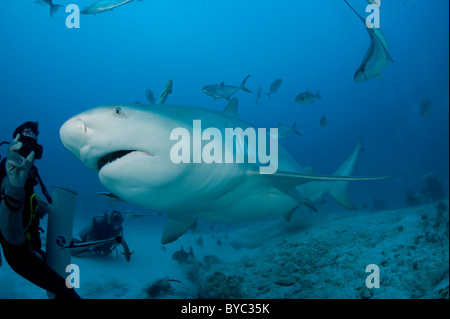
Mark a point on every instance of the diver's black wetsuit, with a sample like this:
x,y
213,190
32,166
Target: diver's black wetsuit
x,y
27,258
27,263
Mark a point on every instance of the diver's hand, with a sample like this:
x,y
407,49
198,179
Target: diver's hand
x,y
17,167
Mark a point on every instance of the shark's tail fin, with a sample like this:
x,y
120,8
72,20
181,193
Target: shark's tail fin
x,y
338,190
242,87
54,8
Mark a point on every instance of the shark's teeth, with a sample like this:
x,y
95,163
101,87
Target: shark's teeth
x,y
111,157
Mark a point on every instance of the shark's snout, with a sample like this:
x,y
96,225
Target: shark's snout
x,y
72,135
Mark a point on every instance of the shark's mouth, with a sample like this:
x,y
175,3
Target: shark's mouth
x,y
111,157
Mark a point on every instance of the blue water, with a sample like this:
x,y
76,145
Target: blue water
x,y
49,73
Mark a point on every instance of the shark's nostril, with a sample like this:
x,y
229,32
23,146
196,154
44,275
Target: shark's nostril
x,y
79,125
72,133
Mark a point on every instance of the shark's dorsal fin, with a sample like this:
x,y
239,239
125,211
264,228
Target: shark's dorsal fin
x,y
174,229
347,167
232,107
222,84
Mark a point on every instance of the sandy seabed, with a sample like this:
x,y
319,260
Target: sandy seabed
x,y
314,255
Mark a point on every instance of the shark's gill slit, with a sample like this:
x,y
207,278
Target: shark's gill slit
x,y
111,157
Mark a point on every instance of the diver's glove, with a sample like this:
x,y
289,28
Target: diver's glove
x,y
18,167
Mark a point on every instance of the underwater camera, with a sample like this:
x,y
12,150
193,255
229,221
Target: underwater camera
x,y
29,144
116,218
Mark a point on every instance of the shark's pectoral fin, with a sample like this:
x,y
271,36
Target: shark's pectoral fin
x,y
301,200
232,108
174,229
310,205
287,216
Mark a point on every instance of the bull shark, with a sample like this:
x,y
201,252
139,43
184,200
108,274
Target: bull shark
x,y
377,56
104,5
129,147
222,91
375,2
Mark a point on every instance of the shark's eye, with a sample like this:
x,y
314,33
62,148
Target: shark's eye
x,y
118,110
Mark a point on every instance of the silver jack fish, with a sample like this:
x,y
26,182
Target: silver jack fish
x,y
223,91
307,97
274,87
165,93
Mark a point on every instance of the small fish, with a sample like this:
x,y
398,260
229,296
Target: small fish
x,y
161,287
223,91
199,241
425,108
375,2
307,98
274,87
284,131
53,7
165,93
132,214
258,94
104,5
150,97
182,256
126,251
109,196
211,259
323,121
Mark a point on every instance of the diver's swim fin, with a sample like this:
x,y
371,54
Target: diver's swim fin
x,y
59,230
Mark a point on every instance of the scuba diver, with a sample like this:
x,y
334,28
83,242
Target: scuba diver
x,y
21,210
102,236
